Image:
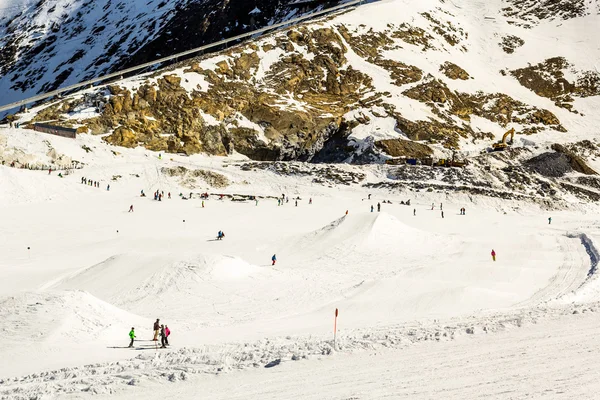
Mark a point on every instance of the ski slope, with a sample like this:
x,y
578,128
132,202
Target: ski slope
x,y
78,271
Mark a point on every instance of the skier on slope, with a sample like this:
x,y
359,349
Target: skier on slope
x,y
163,337
378,207
131,336
167,333
274,259
415,212
371,207
131,208
549,220
156,328
493,255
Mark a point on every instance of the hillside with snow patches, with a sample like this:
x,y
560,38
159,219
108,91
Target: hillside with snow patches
x,y
294,146
47,44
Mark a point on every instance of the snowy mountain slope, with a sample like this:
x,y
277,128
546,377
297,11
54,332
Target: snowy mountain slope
x,y
78,270
48,44
443,75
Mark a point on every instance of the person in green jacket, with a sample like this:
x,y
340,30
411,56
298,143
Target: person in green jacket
x,y
131,336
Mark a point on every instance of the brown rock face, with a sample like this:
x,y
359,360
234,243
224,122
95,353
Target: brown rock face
x,y
123,137
453,71
404,148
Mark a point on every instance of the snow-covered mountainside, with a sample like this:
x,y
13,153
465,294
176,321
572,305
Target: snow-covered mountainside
x,y
46,44
438,74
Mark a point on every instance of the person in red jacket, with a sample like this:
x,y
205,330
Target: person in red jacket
x,y
493,255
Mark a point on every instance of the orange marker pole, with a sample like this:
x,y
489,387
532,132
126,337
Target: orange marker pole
x,y
335,329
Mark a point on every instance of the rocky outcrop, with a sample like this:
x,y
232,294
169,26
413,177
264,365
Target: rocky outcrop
x,y
547,79
510,43
453,71
404,148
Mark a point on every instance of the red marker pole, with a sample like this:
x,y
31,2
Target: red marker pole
x,y
335,329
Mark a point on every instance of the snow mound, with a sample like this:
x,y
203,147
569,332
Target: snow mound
x,y
76,316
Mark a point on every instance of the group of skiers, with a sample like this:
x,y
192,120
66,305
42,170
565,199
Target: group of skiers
x,y
89,182
159,330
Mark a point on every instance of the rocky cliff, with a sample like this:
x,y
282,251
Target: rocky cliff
x,y
383,80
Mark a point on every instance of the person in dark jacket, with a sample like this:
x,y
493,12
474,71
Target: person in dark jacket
x,y
156,329
274,259
163,337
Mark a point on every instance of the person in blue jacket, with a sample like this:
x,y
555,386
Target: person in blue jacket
x,y
274,259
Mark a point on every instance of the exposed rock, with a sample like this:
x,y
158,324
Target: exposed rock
x,y
404,148
453,71
213,179
576,162
122,137
550,164
547,79
510,43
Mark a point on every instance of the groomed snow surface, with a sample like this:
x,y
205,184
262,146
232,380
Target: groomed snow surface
x,y
424,311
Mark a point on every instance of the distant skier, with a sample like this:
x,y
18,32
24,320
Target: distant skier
x,y
493,255
369,196
108,187
274,259
372,207
202,203
310,201
49,171
442,214
440,206
156,329
415,212
549,220
169,194
432,206
131,208
131,336
296,203
378,207
278,202
163,337
142,194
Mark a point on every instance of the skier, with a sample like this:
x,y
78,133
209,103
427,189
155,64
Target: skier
x,y
49,171
415,212
310,201
296,203
108,188
371,208
378,207
549,220
142,194
278,202
202,203
156,328
369,196
169,195
274,259
131,336
167,333
162,337
131,208
432,206
493,255
440,206
442,214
